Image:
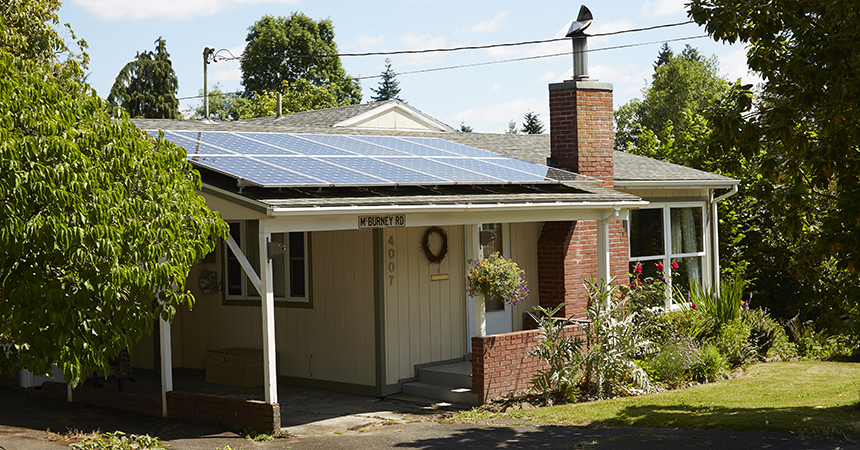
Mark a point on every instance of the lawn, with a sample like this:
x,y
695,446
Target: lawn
x,y
802,397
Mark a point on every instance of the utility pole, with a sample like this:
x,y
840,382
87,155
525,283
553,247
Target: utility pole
x,y
206,53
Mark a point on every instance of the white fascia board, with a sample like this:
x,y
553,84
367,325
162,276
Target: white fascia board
x,y
346,218
677,184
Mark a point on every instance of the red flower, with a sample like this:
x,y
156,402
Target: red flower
x,y
660,266
694,305
632,285
674,265
638,269
640,282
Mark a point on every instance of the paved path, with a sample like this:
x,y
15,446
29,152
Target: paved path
x,y
25,419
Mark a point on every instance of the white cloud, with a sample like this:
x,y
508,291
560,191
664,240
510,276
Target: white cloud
x,y
608,27
227,72
415,41
165,9
734,66
494,89
548,77
494,23
663,8
368,42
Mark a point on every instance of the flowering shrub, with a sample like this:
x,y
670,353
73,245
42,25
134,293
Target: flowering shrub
x,y
647,292
497,277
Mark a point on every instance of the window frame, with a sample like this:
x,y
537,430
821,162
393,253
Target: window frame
x,y
249,296
667,255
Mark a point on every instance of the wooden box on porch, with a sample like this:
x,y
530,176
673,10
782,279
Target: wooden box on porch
x,y
241,367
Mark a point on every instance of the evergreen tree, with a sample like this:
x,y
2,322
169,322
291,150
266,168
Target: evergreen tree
x,y
465,128
389,88
532,124
146,88
512,127
664,56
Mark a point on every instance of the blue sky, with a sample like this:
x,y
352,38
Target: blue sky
x,y
484,97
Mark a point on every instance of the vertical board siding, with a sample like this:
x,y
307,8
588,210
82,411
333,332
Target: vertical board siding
x,y
524,238
333,341
424,319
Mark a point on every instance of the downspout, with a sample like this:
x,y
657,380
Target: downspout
x,y
715,232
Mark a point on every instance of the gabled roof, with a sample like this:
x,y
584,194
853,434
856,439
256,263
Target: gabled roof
x,y
389,115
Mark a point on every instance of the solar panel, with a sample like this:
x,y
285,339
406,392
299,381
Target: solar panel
x,y
303,160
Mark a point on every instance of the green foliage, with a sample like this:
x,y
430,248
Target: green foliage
x,y
118,441
733,341
560,353
712,364
674,363
664,56
803,131
28,31
532,123
767,336
512,127
613,341
389,87
495,276
465,128
296,47
146,88
724,307
298,96
668,122
95,217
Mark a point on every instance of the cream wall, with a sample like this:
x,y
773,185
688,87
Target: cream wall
x,y
524,240
425,321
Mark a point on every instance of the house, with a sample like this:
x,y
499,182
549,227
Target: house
x,y
351,230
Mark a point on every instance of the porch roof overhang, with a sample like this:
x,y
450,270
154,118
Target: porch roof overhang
x,y
329,214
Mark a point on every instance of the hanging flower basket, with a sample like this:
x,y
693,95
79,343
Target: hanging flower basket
x,y
497,277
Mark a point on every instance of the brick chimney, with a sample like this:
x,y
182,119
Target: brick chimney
x,y
581,141
581,129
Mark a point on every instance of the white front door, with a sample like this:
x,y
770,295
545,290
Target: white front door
x,y
495,237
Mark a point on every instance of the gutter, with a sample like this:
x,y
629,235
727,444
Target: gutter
x,y
715,232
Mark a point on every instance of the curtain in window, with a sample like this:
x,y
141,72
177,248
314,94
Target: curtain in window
x,y
685,240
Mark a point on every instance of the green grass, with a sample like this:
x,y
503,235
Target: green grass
x,y
803,397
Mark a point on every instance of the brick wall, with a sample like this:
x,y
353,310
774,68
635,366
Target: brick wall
x,y
501,365
229,411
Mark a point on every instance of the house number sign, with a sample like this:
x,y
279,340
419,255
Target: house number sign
x,y
382,221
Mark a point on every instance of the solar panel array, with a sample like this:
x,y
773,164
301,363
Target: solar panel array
x,y
304,160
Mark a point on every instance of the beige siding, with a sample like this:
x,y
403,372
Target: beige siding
x,y
333,341
663,193
425,320
524,240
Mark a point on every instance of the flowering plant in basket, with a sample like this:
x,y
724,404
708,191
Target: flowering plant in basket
x,y
496,276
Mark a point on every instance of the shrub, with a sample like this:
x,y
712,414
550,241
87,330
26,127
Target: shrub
x,y
711,364
733,341
560,353
723,308
613,339
767,336
674,362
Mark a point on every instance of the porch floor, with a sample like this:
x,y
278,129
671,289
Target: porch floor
x,y
304,411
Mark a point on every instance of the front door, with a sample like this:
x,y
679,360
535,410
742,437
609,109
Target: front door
x,y
495,237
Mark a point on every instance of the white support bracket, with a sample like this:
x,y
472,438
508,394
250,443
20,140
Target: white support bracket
x,y
246,265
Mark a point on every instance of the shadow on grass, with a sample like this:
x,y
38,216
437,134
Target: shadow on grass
x,y
561,437
815,420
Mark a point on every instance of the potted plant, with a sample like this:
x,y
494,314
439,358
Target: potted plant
x,y
497,277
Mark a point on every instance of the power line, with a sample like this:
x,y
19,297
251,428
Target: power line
x,y
486,63
216,57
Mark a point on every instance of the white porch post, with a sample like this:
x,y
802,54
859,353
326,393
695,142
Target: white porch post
x,y
603,255
478,305
166,362
267,296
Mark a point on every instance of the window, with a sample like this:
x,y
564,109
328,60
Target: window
x,y
290,273
492,241
669,233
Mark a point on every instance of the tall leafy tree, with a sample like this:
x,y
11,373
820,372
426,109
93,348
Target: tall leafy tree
x,y
669,116
389,87
146,87
292,48
806,132
99,224
532,123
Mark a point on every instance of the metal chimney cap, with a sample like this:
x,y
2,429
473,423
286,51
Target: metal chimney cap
x,y
583,20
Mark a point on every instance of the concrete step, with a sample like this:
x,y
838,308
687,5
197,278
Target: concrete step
x,y
462,395
456,374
